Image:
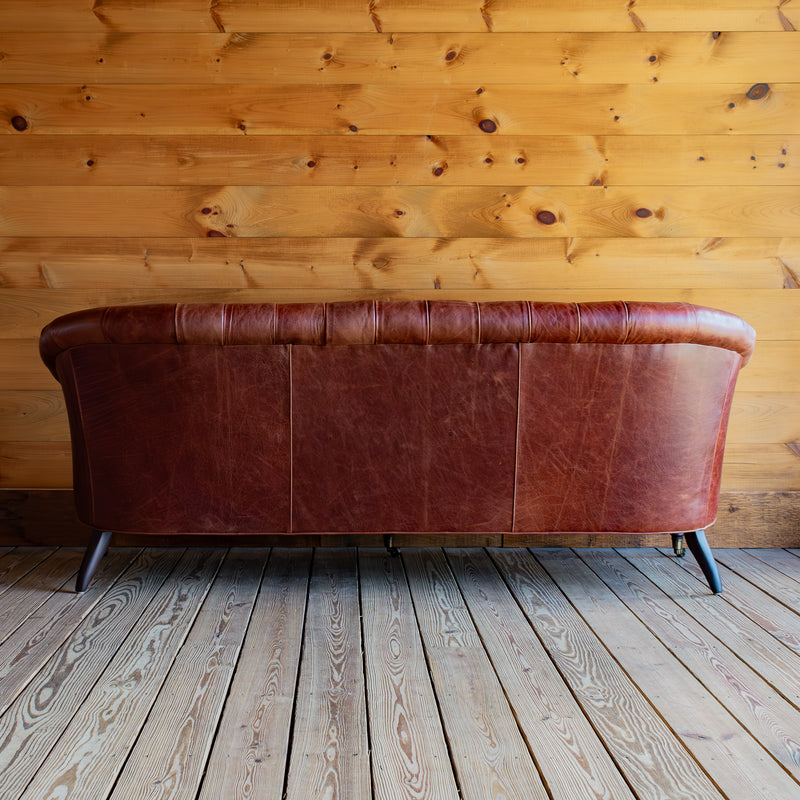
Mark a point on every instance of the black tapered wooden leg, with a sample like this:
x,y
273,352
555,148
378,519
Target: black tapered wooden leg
x,y
98,545
702,553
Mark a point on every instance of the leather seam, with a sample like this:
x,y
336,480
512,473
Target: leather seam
x,y
83,436
516,440
732,373
478,308
627,323
290,525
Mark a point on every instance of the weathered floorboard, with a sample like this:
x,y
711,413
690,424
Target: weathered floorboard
x,y
771,720
576,764
720,743
329,757
409,754
651,757
250,749
489,754
111,717
170,754
752,644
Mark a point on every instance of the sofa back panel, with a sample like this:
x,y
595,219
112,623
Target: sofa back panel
x,y
621,437
180,438
404,438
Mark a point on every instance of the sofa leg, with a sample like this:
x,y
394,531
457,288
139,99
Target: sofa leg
x,y
702,553
98,545
678,545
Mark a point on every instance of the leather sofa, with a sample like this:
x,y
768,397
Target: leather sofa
x,y
398,416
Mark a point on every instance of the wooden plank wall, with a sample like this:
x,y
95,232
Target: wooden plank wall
x,y
327,149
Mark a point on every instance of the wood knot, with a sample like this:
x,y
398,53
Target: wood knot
x,y
205,210
90,162
653,59
521,159
354,128
19,123
450,55
327,56
487,125
715,34
643,213
758,91
546,217
213,233
439,170
311,164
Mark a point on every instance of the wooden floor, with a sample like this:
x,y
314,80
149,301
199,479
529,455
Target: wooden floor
x,y
346,674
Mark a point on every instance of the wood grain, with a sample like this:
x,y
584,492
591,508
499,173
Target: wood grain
x,y
771,614
398,58
31,729
35,587
714,737
410,760
753,645
250,750
774,582
330,754
123,16
490,757
771,719
109,705
30,646
428,211
308,160
370,109
170,754
571,758
16,563
778,560
652,758
33,416
335,264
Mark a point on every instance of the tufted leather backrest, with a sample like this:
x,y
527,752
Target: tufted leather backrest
x,y
397,416
399,322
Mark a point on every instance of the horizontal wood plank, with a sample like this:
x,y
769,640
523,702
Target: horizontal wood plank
x,y
369,109
398,58
34,416
513,160
426,211
401,15
391,263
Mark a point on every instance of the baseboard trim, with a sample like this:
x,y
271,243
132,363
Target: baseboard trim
x,y
745,519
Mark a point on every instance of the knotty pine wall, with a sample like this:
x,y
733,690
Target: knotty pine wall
x,y
249,150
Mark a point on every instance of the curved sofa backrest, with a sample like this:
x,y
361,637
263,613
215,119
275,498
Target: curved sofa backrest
x,y
398,416
399,322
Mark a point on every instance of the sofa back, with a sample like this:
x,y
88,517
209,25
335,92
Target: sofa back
x,y
397,416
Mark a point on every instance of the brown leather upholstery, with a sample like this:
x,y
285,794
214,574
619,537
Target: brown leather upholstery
x,y
398,416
